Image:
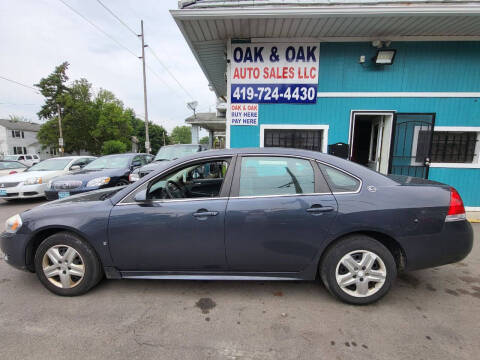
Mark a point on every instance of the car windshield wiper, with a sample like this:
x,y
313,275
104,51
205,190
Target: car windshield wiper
x,y
162,159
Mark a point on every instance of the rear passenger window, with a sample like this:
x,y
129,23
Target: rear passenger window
x,y
338,180
275,176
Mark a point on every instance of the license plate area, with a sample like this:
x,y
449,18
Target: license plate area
x,y
63,194
3,192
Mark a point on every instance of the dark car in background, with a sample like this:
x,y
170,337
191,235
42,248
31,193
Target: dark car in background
x,y
165,154
106,171
246,214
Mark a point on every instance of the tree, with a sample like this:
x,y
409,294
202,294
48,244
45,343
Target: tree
x,y
53,87
156,133
17,118
181,135
113,121
204,140
113,147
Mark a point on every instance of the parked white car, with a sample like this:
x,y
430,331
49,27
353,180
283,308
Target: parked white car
x,y
32,182
26,159
8,167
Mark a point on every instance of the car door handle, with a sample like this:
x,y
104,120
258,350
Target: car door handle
x,y
320,209
201,213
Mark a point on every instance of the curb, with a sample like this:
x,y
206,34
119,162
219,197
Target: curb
x,y
474,221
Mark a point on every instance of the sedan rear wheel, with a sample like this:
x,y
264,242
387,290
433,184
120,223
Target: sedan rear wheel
x,y
67,265
358,269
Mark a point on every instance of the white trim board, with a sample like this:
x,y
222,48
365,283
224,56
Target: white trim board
x,y
296,127
472,208
400,94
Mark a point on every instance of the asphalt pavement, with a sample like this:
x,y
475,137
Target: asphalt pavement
x,y
429,314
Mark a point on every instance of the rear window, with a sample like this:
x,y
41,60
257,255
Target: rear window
x,y
338,180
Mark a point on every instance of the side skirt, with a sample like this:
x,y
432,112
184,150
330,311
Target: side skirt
x,y
210,276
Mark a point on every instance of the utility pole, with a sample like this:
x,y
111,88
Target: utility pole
x,y
147,138
60,139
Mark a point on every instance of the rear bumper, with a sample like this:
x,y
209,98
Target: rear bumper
x,y
451,245
14,249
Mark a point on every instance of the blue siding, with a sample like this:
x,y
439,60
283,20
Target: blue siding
x,y
428,67
466,181
422,66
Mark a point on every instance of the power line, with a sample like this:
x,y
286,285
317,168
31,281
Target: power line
x,y
149,47
114,40
99,29
19,83
169,72
116,17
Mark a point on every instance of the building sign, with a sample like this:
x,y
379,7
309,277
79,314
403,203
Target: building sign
x,y
274,73
244,114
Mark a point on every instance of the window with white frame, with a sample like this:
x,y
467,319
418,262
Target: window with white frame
x,y
18,134
17,150
454,146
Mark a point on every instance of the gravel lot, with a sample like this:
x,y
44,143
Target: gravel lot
x,y
430,314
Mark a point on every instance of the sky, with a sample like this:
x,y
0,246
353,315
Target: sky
x,y
38,35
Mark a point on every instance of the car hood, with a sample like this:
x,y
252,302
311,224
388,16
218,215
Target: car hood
x,y
87,175
154,165
30,174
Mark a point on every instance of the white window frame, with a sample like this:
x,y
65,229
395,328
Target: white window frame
x,y
296,127
476,159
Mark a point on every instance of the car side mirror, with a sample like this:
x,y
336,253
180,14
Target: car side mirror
x,y
141,196
75,167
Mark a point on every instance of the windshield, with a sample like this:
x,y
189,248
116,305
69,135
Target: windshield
x,y
11,165
10,157
175,152
51,165
109,162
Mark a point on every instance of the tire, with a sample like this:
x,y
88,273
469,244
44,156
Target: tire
x,y
337,268
81,269
122,182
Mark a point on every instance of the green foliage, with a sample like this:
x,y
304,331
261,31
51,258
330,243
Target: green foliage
x,y
181,135
90,121
113,147
204,140
53,87
17,118
156,133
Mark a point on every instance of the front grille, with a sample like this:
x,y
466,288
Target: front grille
x,y
8,184
30,193
66,185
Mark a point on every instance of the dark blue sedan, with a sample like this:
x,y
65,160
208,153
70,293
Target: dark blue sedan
x,y
107,171
246,214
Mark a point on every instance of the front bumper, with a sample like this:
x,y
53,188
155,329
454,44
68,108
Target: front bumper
x,y
14,247
450,245
22,191
52,194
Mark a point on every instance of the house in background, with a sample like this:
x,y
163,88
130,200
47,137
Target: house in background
x,y
20,137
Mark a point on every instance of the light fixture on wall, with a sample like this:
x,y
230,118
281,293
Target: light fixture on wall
x,y
384,56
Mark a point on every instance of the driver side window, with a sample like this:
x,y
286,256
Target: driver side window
x,y
201,180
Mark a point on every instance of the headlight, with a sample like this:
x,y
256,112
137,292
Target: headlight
x,y
13,224
98,181
133,177
33,181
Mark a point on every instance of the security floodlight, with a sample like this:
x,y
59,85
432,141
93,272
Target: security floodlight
x,y
385,57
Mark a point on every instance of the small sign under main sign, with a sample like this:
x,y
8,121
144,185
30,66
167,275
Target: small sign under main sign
x,y
244,114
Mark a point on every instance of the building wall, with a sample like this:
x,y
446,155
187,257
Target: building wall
x,y
418,67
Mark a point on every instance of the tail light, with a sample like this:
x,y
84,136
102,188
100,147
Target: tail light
x,y
456,210
12,172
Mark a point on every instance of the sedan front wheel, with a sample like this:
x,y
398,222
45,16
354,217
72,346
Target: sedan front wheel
x,y
358,270
67,265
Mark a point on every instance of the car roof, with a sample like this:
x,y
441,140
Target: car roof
x,y
123,154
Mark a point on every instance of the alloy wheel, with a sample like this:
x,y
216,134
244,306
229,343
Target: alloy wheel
x,y
63,266
360,273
